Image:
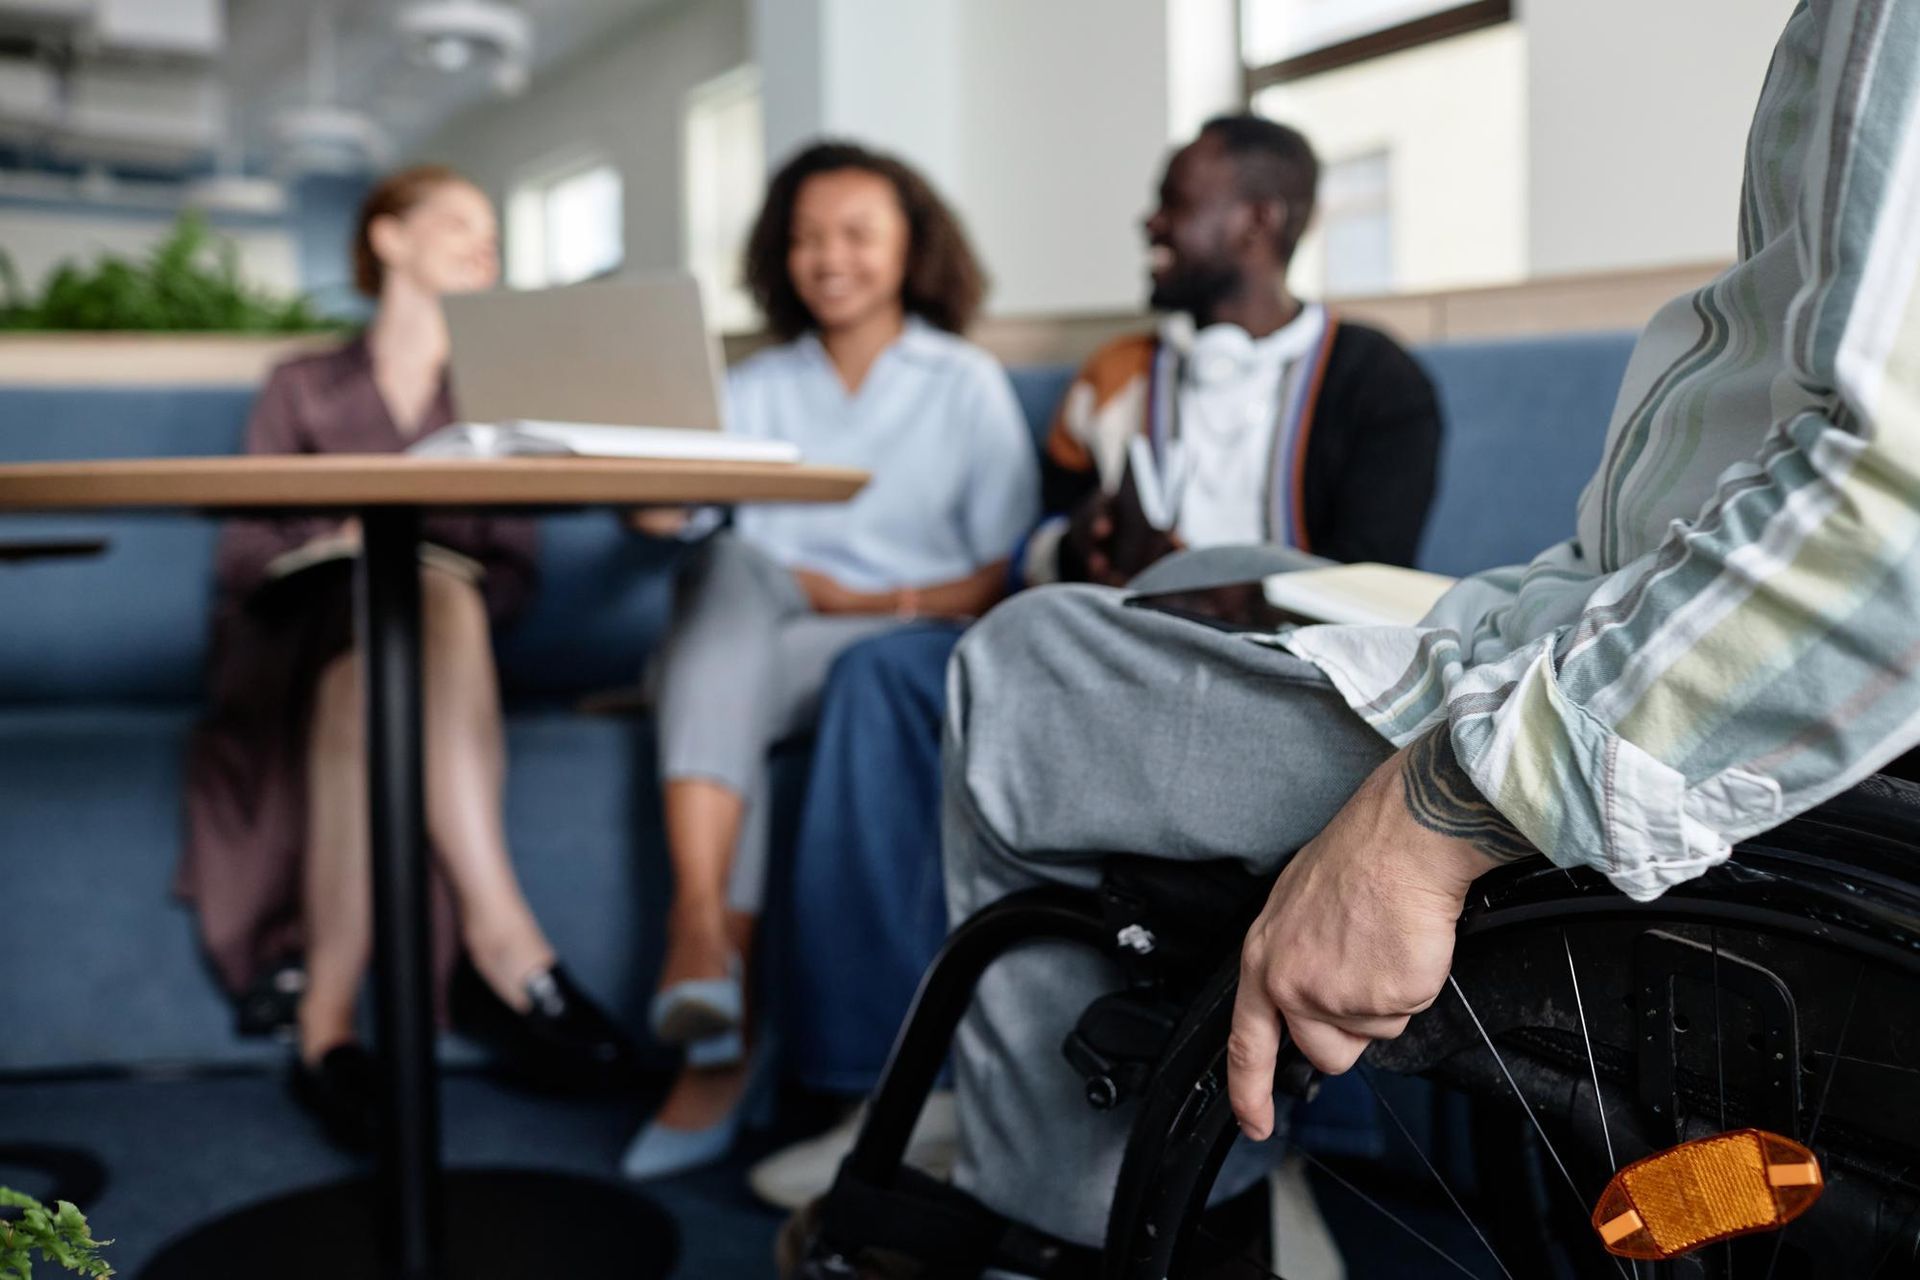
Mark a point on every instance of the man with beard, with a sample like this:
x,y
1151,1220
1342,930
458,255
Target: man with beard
x,y
1250,417
1250,427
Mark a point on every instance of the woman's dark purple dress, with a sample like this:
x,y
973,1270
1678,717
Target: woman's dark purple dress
x,y
246,769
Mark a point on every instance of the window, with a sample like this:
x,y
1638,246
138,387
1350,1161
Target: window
x,y
1282,40
1424,155
725,177
1356,218
565,225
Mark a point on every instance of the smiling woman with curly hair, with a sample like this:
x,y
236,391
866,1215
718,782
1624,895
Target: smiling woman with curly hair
x,y
867,279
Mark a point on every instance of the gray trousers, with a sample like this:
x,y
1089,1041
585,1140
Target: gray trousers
x,y
1079,727
741,668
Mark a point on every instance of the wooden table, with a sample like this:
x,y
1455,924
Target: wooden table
x,y
389,494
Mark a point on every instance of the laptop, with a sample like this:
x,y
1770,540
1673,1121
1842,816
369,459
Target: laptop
x,y
621,368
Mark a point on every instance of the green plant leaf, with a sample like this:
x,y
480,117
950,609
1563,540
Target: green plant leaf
x,y
62,1237
190,281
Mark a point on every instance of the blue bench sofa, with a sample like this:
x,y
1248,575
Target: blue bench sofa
x,y
101,671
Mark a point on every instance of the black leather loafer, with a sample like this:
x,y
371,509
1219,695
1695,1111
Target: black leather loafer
x,y
341,1091
564,1040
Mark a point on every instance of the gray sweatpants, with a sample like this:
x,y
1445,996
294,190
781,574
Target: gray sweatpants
x,y
1079,727
741,668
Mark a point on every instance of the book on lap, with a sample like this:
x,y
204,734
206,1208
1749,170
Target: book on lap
x,y
1357,594
344,550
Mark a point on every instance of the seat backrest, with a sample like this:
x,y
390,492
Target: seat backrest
x,y
1535,409
1040,388
1524,424
129,625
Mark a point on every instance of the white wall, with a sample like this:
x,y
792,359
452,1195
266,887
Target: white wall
x,y
1044,123
893,79
1203,63
1047,122
39,239
1452,119
1637,119
623,99
1066,131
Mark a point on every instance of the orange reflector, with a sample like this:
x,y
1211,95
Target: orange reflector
x,y
1731,1184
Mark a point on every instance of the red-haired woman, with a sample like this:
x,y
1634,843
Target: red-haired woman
x,y
277,861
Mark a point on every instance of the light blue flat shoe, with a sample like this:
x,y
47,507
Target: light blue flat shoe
x,y
659,1152
722,1050
699,1008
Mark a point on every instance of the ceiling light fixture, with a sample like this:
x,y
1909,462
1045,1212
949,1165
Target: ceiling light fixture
x,y
452,36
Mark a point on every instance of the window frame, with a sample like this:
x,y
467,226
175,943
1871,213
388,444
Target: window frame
x,y
528,192
730,305
1459,20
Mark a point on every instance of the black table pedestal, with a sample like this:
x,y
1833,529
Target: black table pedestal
x,y
411,1224
395,1226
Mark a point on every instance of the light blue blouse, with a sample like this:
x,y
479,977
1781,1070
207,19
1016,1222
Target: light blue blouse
x,y
955,477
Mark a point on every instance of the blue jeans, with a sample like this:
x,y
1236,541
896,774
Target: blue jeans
x,y
868,910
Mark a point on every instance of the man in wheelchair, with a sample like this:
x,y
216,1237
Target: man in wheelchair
x,y
1728,640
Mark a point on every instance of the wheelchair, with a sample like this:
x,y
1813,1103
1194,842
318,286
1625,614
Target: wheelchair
x,y
1779,991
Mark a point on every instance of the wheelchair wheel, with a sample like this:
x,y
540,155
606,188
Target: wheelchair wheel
x,y
1780,991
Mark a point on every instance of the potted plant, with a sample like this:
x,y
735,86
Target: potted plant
x,y
189,283
181,313
59,1235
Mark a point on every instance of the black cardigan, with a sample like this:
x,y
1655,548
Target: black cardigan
x,y
1371,460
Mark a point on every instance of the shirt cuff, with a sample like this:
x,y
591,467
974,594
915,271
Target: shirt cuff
x,y
702,521
1583,794
1039,557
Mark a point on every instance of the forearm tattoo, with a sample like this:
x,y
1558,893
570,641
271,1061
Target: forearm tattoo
x,y
1442,798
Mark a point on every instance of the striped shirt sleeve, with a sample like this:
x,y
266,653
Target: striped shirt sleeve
x,y
1763,657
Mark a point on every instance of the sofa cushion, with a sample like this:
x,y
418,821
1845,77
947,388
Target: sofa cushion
x,y
1524,425
1040,388
46,424
601,607
131,624
104,966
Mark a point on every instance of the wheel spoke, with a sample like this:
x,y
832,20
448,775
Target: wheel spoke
x,y
1593,1071
1513,1084
1387,1213
1593,1067
1366,1077
1826,1089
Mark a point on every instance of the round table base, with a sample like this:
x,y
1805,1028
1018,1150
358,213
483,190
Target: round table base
x,y
501,1225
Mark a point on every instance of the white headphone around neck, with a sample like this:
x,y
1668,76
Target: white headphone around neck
x,y
1216,354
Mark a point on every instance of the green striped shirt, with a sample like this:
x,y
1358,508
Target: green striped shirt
x,y
1731,635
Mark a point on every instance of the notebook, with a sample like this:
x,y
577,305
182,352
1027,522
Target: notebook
x,y
1364,594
